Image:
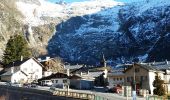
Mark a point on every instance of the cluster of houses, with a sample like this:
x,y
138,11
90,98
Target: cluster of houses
x,y
82,77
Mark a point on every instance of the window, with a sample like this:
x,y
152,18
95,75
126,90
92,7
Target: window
x,y
56,81
37,70
52,81
113,79
25,69
120,79
36,76
137,70
141,78
128,79
117,79
64,81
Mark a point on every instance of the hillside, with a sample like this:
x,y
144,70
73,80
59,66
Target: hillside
x,y
82,32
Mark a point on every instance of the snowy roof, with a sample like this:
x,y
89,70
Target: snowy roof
x,y
116,74
160,65
73,66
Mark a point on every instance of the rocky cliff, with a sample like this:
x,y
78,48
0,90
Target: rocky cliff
x,y
82,32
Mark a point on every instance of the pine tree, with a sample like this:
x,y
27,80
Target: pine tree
x,y
15,48
158,84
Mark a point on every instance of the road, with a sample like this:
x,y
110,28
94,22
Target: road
x,y
19,93
28,94
108,96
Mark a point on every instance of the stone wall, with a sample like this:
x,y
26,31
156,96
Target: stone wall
x,y
18,93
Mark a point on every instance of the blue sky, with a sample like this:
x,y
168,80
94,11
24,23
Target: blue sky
x,y
85,0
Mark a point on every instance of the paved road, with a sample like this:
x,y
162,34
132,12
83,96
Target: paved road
x,y
28,94
109,96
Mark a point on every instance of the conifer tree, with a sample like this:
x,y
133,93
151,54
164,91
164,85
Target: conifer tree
x,y
15,48
158,84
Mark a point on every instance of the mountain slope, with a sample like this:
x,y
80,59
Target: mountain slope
x,y
121,33
82,32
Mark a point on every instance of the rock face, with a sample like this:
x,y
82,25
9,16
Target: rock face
x,y
82,32
121,33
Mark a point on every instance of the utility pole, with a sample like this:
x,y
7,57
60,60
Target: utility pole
x,y
134,83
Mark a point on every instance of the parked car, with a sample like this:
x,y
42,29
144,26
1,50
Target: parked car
x,y
115,89
27,85
33,85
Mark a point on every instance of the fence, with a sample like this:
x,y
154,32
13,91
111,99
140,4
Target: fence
x,y
77,95
157,98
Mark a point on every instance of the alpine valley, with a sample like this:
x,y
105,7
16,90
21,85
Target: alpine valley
x,y
82,32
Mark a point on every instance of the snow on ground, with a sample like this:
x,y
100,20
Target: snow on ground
x,y
148,4
34,13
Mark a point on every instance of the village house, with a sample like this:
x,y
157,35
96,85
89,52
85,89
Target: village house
x,y
115,79
59,80
165,67
142,75
51,65
25,70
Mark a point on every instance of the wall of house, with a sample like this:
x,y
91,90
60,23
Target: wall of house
x,y
6,78
32,69
81,84
141,77
151,79
75,84
18,77
61,82
115,80
47,73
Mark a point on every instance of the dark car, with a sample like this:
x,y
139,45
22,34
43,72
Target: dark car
x,y
27,85
115,89
34,84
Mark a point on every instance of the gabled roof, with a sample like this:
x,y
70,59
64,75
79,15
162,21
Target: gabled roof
x,y
19,62
53,76
8,73
75,77
160,65
91,69
144,66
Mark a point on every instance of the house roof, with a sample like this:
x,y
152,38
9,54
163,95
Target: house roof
x,y
144,66
8,73
75,77
115,74
19,62
53,76
73,66
160,65
91,69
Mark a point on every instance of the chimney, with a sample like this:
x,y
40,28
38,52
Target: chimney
x,y
166,61
68,72
12,70
81,73
21,58
47,58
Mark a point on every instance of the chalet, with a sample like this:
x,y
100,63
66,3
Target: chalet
x,y
22,71
59,80
165,67
51,65
116,79
142,76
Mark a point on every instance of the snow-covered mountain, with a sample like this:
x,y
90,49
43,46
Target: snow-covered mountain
x,y
84,31
121,32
